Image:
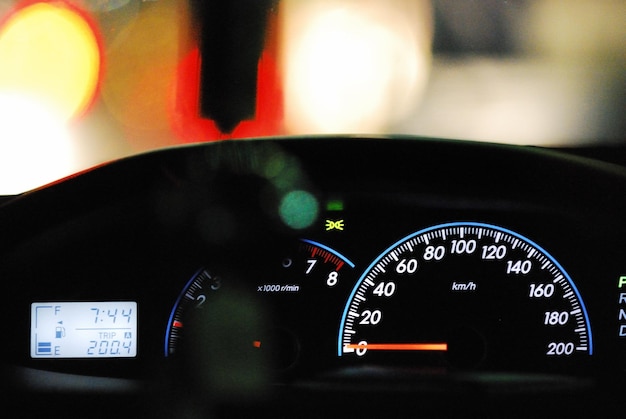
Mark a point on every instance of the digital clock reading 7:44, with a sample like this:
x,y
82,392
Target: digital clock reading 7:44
x,y
112,315
105,329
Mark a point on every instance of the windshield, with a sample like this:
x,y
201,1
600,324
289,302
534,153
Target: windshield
x,y
83,82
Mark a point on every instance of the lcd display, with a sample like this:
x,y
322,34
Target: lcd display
x,y
83,329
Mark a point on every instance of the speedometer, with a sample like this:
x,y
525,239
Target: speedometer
x,y
465,294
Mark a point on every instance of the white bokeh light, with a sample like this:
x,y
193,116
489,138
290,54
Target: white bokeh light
x,y
35,146
353,66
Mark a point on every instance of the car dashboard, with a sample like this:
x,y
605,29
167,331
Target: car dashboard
x,y
319,277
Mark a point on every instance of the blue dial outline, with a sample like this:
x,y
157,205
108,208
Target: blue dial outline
x,y
458,224
176,304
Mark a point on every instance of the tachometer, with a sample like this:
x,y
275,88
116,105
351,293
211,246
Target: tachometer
x,y
465,294
294,280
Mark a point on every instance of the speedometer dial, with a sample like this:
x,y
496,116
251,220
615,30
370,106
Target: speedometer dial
x,y
465,295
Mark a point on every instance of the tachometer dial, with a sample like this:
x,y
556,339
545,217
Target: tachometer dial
x,y
294,280
193,295
465,294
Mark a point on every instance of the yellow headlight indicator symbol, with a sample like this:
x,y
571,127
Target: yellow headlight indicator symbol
x,y
334,225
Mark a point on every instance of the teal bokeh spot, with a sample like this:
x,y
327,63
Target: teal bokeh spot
x,y
299,209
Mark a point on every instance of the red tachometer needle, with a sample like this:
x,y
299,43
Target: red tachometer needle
x,y
400,346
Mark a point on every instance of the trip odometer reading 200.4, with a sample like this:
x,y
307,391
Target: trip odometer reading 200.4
x,y
466,295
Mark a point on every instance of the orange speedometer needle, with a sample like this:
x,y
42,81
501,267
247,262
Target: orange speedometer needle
x,y
400,346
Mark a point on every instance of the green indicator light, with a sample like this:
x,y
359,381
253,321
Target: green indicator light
x,y
334,205
299,209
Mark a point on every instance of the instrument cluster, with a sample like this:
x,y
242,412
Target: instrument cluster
x,y
340,265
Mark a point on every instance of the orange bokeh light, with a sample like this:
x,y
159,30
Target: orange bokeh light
x,y
50,53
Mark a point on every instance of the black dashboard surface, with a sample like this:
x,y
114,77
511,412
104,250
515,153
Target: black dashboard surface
x,y
263,248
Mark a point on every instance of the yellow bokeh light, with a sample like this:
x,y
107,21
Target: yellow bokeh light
x,y
49,52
